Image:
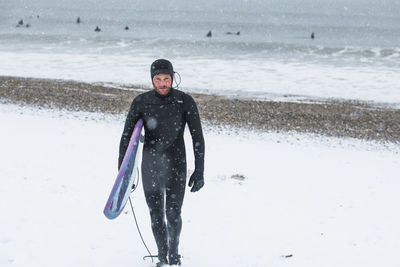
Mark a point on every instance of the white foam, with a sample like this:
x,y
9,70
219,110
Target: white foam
x,y
243,77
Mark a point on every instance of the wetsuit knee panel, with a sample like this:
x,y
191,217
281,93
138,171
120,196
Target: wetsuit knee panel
x,y
173,214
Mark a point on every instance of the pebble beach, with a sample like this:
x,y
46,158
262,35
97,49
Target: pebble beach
x,y
355,119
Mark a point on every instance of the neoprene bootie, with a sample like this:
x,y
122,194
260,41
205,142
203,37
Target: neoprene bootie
x,y
174,259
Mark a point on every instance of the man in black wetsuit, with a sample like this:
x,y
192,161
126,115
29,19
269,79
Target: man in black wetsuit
x,y
165,112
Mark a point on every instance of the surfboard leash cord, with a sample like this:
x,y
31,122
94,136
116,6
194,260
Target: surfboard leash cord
x,y
137,225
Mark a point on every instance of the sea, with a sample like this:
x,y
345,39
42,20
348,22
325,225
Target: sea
x,y
258,49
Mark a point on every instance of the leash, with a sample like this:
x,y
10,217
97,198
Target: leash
x,y
137,225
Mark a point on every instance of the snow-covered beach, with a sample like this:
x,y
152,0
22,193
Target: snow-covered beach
x,y
363,120
324,201
302,134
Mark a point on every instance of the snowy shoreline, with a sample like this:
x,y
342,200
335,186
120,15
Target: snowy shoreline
x,y
326,201
330,117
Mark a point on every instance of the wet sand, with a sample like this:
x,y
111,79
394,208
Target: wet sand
x,y
328,117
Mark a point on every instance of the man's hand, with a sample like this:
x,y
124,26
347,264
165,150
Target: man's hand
x,y
197,181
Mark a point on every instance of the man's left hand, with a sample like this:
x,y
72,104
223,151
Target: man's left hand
x,y
196,181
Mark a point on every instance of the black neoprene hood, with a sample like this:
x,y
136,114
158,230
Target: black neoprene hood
x,y
161,66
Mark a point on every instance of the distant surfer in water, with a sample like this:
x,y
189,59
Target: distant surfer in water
x,y
231,33
165,112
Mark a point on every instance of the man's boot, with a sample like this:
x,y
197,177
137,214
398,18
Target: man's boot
x,y
174,259
162,261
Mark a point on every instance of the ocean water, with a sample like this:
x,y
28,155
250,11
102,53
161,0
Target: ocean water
x,y
355,53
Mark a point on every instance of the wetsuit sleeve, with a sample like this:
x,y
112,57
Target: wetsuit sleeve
x,y
131,119
193,120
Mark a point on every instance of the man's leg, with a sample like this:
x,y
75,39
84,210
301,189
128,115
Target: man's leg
x,y
154,190
155,202
175,192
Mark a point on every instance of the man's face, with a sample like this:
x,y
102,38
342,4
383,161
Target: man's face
x,y
162,83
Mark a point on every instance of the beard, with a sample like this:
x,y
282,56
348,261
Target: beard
x,y
162,90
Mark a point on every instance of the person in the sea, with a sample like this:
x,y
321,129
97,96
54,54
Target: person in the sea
x,y
165,112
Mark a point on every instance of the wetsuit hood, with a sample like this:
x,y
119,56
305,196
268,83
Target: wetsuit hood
x,y
161,66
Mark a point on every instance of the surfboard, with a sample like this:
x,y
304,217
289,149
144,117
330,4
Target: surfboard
x,y
125,179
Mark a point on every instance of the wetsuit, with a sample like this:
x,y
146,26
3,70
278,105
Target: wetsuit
x,y
164,158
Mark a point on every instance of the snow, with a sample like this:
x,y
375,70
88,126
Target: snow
x,y
325,201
